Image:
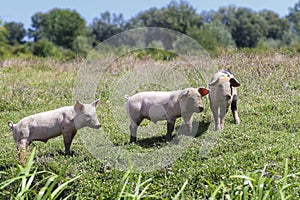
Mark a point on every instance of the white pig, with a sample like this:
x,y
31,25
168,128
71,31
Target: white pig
x,y
223,93
62,121
157,106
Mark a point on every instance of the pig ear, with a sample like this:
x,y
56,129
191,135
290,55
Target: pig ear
x,y
213,82
78,107
184,93
234,82
95,103
203,91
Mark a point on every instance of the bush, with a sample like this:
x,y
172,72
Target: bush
x,y
44,48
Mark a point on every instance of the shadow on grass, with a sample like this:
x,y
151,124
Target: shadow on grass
x,y
202,128
159,141
155,141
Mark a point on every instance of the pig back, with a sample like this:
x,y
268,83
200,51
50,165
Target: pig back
x,y
154,106
46,125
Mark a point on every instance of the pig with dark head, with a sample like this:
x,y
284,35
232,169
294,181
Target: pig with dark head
x,y
222,94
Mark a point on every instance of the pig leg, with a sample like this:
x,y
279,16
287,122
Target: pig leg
x,y
223,112
170,129
22,146
188,120
216,117
234,110
68,138
23,143
133,129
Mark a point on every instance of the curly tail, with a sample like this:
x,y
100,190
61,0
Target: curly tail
x,y
10,124
127,96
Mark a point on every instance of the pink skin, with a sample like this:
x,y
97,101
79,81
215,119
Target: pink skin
x,y
62,121
223,93
157,106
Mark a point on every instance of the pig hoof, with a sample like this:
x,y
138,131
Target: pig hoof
x,y
168,138
70,153
237,121
132,139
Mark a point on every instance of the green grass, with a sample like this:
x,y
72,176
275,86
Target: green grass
x,y
257,159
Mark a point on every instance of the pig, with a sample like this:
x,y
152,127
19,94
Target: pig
x,y
62,121
223,93
156,106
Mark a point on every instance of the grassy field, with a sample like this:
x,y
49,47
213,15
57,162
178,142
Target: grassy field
x,y
257,159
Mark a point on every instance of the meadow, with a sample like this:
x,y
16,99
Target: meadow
x,y
258,159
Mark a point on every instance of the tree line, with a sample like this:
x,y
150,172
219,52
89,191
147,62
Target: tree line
x,y
63,33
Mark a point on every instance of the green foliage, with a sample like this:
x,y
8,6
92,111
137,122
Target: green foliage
x,y
3,40
129,188
3,34
206,37
16,32
81,46
247,28
58,26
260,184
178,16
156,54
221,30
106,26
25,186
294,18
45,48
276,27
212,37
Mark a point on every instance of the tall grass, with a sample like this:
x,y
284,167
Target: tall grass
x,y
129,188
260,185
29,183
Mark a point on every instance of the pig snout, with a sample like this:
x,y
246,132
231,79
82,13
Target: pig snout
x,y
227,96
96,126
93,122
201,109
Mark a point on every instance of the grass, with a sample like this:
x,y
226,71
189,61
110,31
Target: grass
x,y
259,159
24,185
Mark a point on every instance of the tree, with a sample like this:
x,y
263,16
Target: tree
x,y
81,45
294,18
3,34
16,32
247,28
60,26
3,40
106,26
275,26
176,16
219,24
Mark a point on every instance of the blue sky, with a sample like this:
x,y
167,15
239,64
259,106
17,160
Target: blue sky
x,y
22,10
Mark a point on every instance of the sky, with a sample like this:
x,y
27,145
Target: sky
x,y
22,10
